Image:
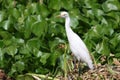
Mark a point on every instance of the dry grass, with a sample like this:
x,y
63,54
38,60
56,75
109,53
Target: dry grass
x,y
101,72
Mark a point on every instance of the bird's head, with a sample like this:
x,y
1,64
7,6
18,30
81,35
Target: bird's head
x,y
63,14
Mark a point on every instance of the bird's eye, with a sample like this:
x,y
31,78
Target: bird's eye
x,y
64,14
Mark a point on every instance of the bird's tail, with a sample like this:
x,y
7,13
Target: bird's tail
x,y
91,65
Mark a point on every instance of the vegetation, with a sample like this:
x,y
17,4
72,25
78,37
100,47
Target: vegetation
x,y
33,40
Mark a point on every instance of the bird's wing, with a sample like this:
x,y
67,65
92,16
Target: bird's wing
x,y
78,47
80,43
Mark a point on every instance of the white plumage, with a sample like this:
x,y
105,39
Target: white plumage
x,y
77,46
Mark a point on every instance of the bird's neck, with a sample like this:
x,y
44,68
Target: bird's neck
x,y
68,28
67,23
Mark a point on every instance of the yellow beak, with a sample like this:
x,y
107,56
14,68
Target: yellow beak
x,y
58,16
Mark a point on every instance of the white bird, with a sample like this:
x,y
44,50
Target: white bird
x,y
77,46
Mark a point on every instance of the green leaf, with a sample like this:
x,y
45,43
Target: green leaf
x,y
102,48
1,58
33,43
90,13
1,43
43,10
25,77
42,70
28,24
90,4
20,41
93,33
38,54
53,44
44,58
15,13
18,66
74,21
90,43
53,57
54,4
114,16
117,55
2,15
7,42
32,8
11,50
67,4
6,24
98,13
111,5
39,28
115,40
25,50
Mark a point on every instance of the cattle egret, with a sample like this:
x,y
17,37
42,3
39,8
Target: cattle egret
x,y
77,46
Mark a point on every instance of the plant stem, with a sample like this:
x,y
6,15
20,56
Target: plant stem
x,y
65,62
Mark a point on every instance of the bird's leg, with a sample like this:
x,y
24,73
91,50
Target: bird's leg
x,y
74,61
79,68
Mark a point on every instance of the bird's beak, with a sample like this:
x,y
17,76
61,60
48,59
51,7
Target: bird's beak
x,y
58,16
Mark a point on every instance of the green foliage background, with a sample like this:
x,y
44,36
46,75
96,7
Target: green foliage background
x,y
31,35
